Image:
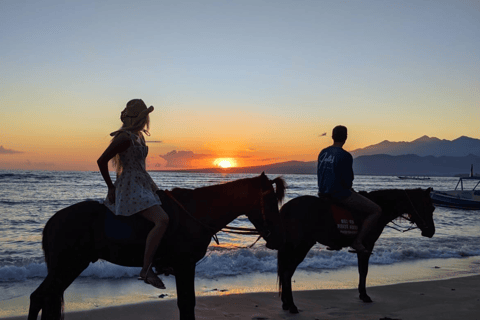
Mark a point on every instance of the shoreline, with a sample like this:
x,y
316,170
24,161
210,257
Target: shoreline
x,y
87,296
457,298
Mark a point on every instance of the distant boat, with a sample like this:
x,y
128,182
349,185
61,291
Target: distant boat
x,y
413,178
460,198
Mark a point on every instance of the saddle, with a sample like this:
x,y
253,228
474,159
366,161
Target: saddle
x,y
134,229
346,220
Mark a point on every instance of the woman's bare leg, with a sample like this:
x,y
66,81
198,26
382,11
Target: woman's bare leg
x,y
159,217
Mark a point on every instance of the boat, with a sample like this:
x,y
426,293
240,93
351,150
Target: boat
x,y
413,178
460,198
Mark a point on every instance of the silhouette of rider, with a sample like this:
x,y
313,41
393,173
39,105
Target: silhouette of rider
x,y
335,179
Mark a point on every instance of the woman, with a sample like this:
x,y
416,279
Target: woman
x,y
134,189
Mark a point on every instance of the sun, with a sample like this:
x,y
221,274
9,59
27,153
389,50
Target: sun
x,y
224,163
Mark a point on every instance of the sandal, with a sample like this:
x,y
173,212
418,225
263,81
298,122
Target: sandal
x,y
152,279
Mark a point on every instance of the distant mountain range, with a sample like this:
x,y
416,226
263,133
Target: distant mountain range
x,y
423,156
381,164
424,146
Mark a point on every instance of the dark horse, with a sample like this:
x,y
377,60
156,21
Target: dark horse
x,y
309,219
85,232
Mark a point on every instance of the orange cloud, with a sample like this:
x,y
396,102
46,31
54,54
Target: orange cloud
x,y
183,159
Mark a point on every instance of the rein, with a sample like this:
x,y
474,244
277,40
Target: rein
x,y
214,235
250,231
236,230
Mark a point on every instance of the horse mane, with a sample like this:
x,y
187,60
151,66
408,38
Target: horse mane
x,y
231,186
384,197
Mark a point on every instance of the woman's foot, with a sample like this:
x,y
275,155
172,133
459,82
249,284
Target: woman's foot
x,y
151,278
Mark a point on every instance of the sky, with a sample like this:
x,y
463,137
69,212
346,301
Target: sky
x,y
253,82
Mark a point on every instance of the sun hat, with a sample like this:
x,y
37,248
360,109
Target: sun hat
x,y
136,110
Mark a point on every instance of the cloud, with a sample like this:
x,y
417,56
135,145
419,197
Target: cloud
x,y
323,134
271,159
182,159
154,141
8,151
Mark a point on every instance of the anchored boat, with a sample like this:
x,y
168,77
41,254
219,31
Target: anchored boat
x,y
460,198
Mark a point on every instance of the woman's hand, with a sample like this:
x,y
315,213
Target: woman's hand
x,y
111,195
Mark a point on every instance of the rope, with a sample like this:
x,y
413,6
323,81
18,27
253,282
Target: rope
x,y
214,236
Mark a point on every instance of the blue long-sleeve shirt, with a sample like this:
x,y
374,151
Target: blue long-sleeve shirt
x,y
335,172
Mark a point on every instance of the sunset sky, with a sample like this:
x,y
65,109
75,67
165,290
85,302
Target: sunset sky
x,y
255,82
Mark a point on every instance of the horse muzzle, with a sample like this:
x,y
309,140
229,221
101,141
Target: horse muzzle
x,y
272,242
428,232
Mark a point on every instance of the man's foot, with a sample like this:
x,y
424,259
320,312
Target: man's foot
x,y
334,248
357,247
151,278
364,251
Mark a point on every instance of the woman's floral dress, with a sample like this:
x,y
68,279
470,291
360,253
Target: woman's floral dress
x,y
134,188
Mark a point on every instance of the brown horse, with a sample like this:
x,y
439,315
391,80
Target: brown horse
x,y
85,232
309,219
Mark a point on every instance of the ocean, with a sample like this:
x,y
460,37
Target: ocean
x,y
29,198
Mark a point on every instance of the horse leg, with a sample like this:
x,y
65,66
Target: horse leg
x,y
288,259
49,295
185,283
37,298
363,270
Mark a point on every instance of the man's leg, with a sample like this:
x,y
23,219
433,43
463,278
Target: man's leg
x,y
359,203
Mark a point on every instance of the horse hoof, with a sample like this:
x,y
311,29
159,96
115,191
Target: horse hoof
x,y
365,298
293,309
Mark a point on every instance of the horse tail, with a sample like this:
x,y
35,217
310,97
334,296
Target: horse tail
x,y
280,186
45,246
279,280
281,264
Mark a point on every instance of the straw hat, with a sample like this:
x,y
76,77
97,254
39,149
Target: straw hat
x,y
133,116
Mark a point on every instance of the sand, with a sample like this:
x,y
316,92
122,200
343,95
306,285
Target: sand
x,y
457,298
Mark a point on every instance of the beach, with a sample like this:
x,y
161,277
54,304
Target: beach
x,y
234,280
432,289
457,298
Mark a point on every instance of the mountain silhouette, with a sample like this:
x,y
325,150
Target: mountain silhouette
x,y
424,146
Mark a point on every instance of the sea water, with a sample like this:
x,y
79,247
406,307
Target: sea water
x,y
29,198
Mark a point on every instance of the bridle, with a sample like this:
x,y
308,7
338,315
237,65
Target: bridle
x,y
250,231
227,229
420,223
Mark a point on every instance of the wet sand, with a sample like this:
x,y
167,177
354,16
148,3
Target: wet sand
x,y
431,289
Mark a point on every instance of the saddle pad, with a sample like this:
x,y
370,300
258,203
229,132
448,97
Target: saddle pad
x,y
134,229
344,219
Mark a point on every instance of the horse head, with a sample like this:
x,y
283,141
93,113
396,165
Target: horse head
x,y
266,216
419,207
414,205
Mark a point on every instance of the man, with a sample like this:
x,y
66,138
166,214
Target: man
x,y
335,178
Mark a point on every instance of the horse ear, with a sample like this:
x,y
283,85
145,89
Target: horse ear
x,y
429,190
263,174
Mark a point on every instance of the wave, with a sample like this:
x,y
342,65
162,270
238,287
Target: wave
x,y
233,262
15,176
